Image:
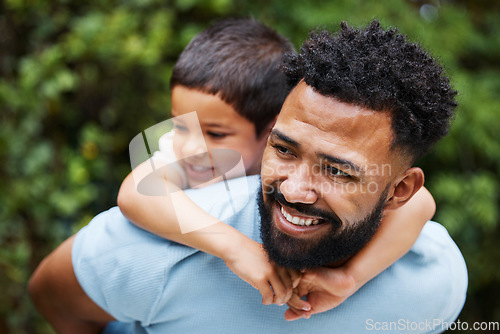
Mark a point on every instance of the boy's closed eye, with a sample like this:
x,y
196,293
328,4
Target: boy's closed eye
x,y
216,135
180,128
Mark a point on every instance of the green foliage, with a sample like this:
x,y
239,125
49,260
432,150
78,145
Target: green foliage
x,y
79,79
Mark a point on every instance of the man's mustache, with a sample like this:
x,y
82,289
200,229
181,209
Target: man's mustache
x,y
306,209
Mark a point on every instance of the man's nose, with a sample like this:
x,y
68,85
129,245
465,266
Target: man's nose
x,y
298,187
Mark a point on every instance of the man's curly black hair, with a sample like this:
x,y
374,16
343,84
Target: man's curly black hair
x,y
382,71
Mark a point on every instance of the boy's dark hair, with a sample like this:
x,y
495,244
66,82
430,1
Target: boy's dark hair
x,y
380,70
238,60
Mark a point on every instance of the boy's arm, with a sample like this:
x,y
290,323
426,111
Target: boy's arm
x,y
398,232
60,299
158,215
326,288
244,256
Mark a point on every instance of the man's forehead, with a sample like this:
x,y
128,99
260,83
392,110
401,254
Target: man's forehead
x,y
324,111
324,122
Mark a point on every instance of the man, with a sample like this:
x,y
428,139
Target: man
x,y
361,100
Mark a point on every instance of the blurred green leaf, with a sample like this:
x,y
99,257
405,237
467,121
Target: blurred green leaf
x,y
79,79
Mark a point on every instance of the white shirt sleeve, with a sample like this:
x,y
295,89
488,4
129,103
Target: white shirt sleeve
x,y
166,155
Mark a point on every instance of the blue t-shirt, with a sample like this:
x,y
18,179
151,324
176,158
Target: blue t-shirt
x,y
164,287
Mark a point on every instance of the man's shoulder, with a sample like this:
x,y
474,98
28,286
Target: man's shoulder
x,y
431,280
110,225
233,201
122,267
436,250
117,262
435,247
234,198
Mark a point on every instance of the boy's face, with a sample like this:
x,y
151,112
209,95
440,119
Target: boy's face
x,y
222,128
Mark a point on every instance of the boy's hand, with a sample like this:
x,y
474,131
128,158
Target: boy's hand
x,y
324,289
249,261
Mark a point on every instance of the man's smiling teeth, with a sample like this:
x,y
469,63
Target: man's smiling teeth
x,y
298,220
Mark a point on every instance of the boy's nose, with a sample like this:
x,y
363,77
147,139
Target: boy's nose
x,y
195,146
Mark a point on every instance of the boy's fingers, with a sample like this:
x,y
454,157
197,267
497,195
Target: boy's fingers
x,y
293,314
286,279
297,303
267,293
279,289
296,276
289,294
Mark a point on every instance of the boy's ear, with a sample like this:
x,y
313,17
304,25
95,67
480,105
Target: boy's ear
x,y
407,185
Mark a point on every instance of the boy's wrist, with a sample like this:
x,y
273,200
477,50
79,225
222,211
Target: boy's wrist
x,y
354,275
232,249
226,246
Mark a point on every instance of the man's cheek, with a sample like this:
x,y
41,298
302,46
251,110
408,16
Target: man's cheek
x,y
266,169
350,207
271,172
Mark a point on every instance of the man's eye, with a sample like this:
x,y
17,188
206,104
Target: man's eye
x,y
216,135
282,149
333,171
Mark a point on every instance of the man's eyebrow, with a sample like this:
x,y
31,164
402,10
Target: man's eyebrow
x,y
283,137
343,162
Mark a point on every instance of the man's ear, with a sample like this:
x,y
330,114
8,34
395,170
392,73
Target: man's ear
x,y
407,185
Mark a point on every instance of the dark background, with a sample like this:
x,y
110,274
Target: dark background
x,y
79,79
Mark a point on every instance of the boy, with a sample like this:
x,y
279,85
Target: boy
x,y
229,74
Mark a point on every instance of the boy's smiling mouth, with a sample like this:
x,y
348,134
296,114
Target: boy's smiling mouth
x,y
199,172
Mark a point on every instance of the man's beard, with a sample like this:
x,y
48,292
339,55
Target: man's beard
x,y
341,242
